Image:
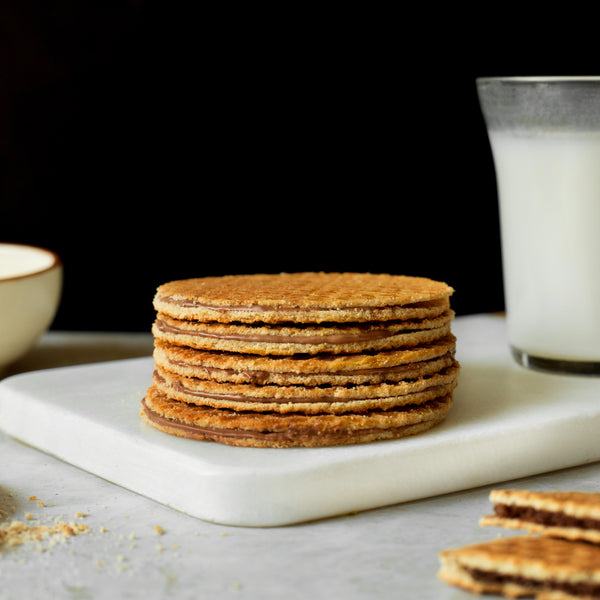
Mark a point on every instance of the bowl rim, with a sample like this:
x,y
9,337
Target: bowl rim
x,y
56,262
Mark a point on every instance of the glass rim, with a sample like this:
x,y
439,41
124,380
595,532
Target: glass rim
x,y
539,79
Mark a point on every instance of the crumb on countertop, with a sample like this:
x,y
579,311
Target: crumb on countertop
x,y
17,533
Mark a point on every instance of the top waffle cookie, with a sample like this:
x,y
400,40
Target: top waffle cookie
x,y
303,297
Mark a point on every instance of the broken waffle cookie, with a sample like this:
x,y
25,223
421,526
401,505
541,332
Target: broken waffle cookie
x,y
301,359
570,515
525,566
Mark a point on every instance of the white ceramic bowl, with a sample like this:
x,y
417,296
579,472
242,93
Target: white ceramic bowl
x,y
30,291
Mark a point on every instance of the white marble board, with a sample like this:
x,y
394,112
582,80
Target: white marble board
x,y
507,422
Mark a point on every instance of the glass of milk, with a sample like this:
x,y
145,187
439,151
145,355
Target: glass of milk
x,y
544,135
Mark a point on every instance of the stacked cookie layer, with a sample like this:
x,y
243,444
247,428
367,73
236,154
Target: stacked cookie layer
x,y
301,359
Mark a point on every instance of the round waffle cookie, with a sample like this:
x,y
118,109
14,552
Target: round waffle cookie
x,y
276,430
303,297
316,353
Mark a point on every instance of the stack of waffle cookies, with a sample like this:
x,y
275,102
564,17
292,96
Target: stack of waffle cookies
x,y
301,359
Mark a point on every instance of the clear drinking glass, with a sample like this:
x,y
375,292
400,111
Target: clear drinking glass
x,y
544,135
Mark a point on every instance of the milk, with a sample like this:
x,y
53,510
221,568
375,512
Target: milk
x,y
17,260
549,196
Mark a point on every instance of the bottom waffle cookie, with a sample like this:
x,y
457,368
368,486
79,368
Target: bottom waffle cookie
x,y
283,430
525,566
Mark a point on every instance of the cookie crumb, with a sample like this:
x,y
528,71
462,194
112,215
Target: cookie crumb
x,y
18,533
159,530
33,497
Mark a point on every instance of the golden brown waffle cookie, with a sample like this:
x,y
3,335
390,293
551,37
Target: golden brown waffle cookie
x,y
531,566
303,297
569,515
332,356
310,399
251,367
306,370
277,430
300,339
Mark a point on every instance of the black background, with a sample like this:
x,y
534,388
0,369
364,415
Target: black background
x,y
145,143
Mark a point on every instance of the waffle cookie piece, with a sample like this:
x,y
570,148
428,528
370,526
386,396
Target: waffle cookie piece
x,y
569,515
525,566
329,358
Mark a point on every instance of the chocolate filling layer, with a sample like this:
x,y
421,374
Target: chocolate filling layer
x,y
544,517
580,588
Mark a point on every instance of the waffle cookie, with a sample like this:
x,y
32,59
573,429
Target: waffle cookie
x,y
284,430
525,566
569,515
303,297
301,359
